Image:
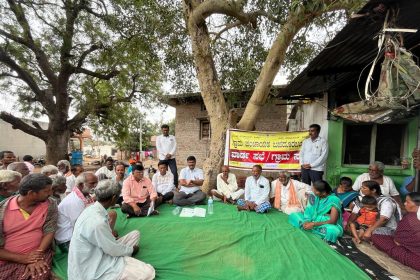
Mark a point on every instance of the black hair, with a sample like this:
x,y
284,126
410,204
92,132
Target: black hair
x,y
373,185
258,166
164,126
27,158
4,152
346,181
415,197
322,186
137,167
74,166
34,182
109,159
316,126
191,158
369,200
163,162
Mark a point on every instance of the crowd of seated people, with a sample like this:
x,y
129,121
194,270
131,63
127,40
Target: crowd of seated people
x,y
64,207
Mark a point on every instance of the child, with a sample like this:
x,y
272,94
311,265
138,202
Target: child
x,y
368,216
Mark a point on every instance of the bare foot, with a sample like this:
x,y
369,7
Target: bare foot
x,y
357,240
241,208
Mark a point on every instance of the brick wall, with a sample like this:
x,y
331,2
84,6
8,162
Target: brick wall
x,y
187,128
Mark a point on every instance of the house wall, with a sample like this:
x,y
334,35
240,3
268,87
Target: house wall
x,y
187,129
336,168
21,143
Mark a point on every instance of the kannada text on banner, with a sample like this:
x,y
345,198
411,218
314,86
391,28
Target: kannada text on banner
x,y
272,150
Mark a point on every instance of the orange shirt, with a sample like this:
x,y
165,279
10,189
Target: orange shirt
x,y
137,192
367,217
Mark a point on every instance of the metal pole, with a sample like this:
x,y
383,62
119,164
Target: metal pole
x,y
140,137
417,171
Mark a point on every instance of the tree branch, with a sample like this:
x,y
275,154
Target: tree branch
x,y
85,54
21,125
110,75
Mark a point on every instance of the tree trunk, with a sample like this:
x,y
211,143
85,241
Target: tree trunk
x,y
57,146
212,95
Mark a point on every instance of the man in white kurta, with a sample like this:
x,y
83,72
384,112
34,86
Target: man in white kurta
x,y
95,253
166,147
227,186
257,189
288,195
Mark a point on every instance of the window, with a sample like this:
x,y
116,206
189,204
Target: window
x,y
377,142
205,129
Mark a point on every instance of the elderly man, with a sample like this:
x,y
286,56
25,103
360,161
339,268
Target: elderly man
x,y
94,251
163,182
227,187
288,195
28,221
138,194
64,168
71,207
257,189
6,158
58,187
191,179
313,155
49,170
9,183
20,167
107,170
376,173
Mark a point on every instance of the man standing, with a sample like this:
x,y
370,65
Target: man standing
x,y
257,189
64,168
29,161
95,253
107,170
313,156
227,187
163,182
138,194
288,195
190,179
28,221
72,206
166,147
6,158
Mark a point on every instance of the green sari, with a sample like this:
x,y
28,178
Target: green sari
x,y
318,210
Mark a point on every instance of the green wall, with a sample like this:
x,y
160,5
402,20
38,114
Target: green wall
x,y
336,168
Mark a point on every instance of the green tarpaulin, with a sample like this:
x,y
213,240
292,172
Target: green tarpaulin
x,y
230,245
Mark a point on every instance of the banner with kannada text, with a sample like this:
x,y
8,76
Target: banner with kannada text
x,y
272,150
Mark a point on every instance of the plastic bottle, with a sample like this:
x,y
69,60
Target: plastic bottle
x,y
176,211
210,205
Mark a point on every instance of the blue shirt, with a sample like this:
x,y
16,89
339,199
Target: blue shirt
x,y
94,253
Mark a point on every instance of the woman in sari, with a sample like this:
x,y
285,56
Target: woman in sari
x,y
345,193
404,245
322,215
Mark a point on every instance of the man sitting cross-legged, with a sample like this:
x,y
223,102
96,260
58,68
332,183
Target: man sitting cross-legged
x,y
95,253
227,187
28,222
190,179
163,182
138,194
288,195
257,189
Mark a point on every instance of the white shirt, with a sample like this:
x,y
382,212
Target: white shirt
x,y
257,190
314,153
285,189
68,211
94,253
104,170
163,183
188,174
230,187
70,182
166,145
387,188
386,208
